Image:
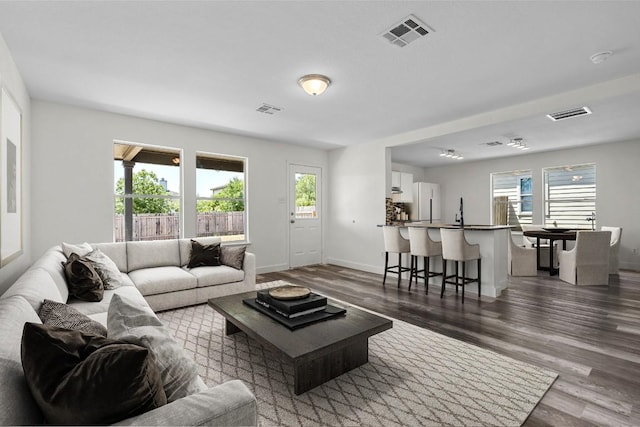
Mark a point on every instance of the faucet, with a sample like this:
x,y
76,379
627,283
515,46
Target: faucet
x,y
592,219
461,220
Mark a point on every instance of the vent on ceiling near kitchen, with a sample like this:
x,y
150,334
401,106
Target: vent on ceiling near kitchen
x,y
406,31
492,143
268,109
569,114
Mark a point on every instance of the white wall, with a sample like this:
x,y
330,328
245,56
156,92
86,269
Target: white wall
x,y
618,188
72,175
11,81
357,190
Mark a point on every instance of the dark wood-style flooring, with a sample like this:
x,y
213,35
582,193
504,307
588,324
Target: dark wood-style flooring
x,y
589,335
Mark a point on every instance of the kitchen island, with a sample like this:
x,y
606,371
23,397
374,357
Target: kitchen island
x,y
493,241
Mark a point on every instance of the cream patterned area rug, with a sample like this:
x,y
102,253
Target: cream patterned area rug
x,y
414,377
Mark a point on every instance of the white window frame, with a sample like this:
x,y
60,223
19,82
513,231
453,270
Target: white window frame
x,y
245,215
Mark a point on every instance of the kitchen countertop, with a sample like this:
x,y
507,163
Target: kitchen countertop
x,y
440,225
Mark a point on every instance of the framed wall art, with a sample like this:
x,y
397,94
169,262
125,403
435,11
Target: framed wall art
x,y
10,179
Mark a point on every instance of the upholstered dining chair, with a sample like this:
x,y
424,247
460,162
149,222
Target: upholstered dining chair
x,y
522,260
530,242
421,245
588,262
614,248
394,243
456,248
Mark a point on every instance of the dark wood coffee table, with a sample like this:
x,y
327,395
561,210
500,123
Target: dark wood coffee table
x,y
319,352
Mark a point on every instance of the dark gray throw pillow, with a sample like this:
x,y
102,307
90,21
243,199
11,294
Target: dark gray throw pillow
x,y
233,256
84,379
204,255
83,280
61,315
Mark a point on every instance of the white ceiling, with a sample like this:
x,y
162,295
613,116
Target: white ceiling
x,y
490,71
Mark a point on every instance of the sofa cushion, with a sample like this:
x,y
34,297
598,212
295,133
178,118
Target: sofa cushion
x,y
116,251
90,308
52,261
185,246
127,322
86,379
17,406
35,285
211,276
106,268
155,253
76,248
204,255
65,316
82,279
233,256
159,280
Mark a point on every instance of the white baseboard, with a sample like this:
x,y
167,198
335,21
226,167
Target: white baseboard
x,y
271,268
356,266
629,266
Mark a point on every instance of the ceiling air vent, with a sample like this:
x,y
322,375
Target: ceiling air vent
x,y
406,31
492,143
568,114
268,109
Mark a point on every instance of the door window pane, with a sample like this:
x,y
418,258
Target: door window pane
x,y
306,191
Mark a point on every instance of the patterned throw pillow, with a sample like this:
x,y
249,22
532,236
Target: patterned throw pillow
x,y
106,268
83,280
204,255
233,256
64,316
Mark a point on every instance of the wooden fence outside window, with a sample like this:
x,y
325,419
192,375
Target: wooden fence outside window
x,y
167,226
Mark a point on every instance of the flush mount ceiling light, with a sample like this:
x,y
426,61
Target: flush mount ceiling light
x,y
517,143
600,57
314,84
451,154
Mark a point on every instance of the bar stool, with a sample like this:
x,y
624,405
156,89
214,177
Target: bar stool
x,y
421,245
456,248
394,243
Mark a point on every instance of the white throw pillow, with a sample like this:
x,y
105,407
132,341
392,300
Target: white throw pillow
x,y
79,248
138,325
106,268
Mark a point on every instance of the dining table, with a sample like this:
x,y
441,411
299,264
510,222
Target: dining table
x,y
552,236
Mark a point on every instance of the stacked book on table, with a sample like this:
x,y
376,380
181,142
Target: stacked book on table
x,y
294,313
292,308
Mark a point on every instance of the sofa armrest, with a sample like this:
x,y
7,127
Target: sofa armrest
x,y
229,404
249,268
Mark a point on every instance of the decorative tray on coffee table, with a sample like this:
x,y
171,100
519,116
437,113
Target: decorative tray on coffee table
x,y
289,292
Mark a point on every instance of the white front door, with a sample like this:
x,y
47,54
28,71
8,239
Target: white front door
x,y
305,222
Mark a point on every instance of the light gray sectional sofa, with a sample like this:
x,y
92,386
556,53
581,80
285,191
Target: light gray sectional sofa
x,y
154,276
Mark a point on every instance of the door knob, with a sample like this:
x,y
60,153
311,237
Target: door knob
x,y
292,221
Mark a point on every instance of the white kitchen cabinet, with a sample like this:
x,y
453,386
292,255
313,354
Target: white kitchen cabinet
x,y
403,181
